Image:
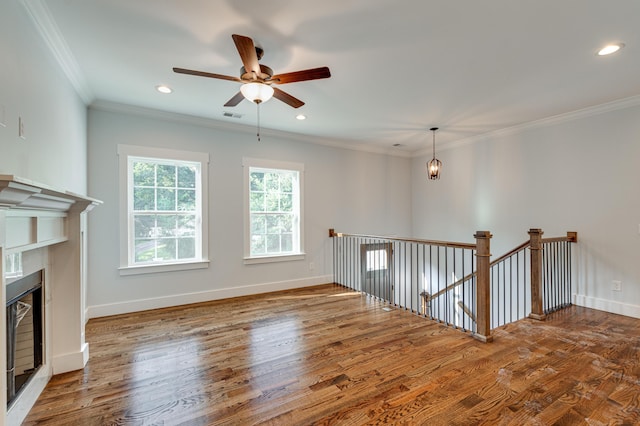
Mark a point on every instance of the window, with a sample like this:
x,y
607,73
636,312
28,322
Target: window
x,y
273,211
163,210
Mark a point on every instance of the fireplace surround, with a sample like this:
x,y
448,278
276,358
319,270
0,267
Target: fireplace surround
x,y
45,228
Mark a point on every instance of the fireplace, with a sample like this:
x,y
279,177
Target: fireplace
x,y
43,248
24,332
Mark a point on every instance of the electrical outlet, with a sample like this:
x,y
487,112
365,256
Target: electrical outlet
x,y
3,116
21,128
312,266
616,285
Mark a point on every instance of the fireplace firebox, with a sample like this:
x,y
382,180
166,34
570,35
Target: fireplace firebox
x,y
24,332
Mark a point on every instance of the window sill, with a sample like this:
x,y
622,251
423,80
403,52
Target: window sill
x,y
170,267
272,259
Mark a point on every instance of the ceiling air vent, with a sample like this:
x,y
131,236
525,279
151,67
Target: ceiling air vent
x,y
231,115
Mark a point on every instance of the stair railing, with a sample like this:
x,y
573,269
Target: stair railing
x,y
405,271
551,265
531,280
534,279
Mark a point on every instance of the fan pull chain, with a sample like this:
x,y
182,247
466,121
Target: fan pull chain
x,y
258,134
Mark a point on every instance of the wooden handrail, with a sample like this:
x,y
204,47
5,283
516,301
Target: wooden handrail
x,y
511,252
449,287
572,237
467,246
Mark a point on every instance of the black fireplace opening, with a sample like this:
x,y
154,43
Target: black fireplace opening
x,y
24,332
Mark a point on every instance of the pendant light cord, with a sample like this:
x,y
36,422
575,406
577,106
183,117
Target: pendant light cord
x,y
433,130
434,143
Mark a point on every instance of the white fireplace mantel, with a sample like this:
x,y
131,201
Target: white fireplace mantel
x,y
33,217
17,192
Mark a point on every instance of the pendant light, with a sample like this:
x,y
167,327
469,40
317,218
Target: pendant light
x,y
434,166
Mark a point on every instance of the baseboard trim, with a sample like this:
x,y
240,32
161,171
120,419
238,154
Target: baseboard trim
x,y
105,310
611,306
71,361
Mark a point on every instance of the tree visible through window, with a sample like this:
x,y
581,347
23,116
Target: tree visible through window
x,y
273,208
164,210
274,211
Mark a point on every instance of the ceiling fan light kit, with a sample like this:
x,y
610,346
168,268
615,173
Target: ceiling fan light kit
x,y
256,92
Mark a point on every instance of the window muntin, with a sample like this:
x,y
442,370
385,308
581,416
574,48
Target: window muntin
x,y
273,205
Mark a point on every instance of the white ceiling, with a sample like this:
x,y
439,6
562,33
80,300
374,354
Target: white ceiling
x,y
398,68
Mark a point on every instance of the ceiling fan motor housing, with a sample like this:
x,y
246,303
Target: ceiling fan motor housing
x,y
265,74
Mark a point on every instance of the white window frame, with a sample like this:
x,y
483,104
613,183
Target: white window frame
x,y
127,266
247,164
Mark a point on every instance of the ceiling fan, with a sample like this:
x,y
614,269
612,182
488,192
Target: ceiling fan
x,y
258,79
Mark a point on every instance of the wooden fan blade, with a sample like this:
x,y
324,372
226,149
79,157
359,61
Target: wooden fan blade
x,y
247,51
235,100
206,74
287,98
311,74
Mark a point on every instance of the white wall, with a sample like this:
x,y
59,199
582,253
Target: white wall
x,y
33,87
348,190
577,174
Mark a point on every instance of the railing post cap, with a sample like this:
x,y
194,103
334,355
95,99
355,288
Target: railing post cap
x,y
482,234
535,231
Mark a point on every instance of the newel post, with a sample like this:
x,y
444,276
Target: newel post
x,y
535,244
483,299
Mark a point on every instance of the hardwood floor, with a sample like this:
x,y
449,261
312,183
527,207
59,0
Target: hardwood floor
x,y
325,355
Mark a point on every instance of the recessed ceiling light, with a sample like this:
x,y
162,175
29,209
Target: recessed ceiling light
x,y
163,89
610,48
301,117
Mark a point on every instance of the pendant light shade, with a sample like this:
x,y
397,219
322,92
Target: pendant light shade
x,y
434,166
257,92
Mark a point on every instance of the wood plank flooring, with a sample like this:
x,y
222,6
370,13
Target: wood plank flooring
x,y
325,355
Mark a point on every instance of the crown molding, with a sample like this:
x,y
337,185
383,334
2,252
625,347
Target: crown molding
x,y
212,123
50,33
616,105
